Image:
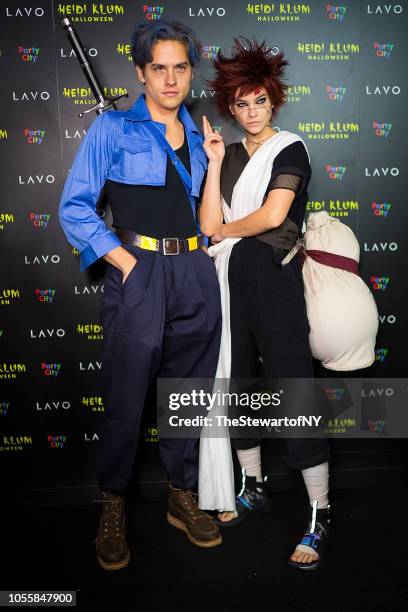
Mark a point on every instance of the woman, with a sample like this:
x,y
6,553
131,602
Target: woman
x,y
253,207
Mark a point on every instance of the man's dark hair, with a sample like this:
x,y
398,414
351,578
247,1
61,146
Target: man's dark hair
x,y
147,33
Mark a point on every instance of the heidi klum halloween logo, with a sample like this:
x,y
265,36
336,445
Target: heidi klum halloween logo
x,y
91,12
92,331
335,208
95,403
7,296
16,443
328,130
328,51
6,219
84,95
278,11
297,93
10,371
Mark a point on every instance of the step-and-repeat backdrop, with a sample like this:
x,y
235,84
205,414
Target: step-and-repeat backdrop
x,y
347,97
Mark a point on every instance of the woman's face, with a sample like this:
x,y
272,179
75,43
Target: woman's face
x,y
253,111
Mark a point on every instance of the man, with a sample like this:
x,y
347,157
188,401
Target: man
x,y
161,311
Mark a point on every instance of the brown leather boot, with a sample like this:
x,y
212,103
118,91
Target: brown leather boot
x,y
183,513
112,552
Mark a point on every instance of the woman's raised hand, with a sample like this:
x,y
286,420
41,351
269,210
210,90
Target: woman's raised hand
x,y
213,144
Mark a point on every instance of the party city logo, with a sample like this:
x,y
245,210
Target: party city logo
x,y
124,49
335,208
377,426
8,295
95,403
336,93
335,173
278,11
5,220
4,406
153,12
296,93
92,331
321,51
14,443
29,54
382,129
40,220
91,12
45,296
34,136
334,394
383,49
209,51
381,209
380,354
11,370
337,12
50,369
333,130
379,283
56,441
84,95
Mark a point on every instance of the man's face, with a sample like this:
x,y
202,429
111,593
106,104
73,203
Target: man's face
x,y
168,77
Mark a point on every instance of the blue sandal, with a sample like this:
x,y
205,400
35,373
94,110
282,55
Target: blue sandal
x,y
318,537
252,497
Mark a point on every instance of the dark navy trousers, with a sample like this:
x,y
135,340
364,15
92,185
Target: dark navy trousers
x,y
164,321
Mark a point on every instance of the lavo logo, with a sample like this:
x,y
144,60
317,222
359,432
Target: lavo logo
x,y
25,12
382,246
28,96
91,366
380,90
384,9
390,319
207,12
47,333
75,135
91,437
38,178
92,52
91,290
382,171
40,259
64,405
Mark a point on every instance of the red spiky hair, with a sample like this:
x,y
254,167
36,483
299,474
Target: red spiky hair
x,y
251,65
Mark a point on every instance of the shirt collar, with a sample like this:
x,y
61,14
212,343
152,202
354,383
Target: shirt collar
x,y
140,112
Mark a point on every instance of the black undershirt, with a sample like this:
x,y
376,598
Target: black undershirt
x,y
158,212
290,170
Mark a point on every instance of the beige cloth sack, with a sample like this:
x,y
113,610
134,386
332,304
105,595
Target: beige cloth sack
x,y
342,313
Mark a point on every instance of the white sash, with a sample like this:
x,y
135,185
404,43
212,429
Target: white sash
x,y
216,475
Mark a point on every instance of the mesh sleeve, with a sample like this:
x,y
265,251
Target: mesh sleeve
x,y
286,181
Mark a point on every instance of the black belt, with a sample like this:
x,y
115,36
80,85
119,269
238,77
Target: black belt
x,y
165,246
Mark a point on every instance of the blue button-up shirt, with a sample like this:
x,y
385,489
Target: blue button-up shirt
x,y
120,146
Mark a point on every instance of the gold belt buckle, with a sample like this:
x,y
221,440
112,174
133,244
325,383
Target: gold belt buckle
x,y
165,247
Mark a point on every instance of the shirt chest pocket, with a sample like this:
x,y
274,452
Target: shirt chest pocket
x,y
134,157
